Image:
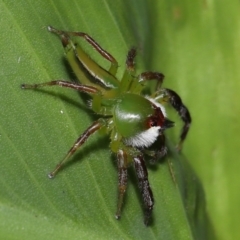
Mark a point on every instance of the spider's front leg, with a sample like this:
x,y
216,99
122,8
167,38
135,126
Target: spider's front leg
x,y
168,95
144,186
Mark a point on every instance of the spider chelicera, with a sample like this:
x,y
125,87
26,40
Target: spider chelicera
x,y
134,121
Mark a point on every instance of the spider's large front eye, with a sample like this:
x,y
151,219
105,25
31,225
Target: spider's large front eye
x,y
158,121
155,120
152,123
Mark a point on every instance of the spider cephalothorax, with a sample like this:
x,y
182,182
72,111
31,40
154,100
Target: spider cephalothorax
x,y
135,122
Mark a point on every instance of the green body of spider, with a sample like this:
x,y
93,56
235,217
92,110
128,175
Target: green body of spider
x,y
134,121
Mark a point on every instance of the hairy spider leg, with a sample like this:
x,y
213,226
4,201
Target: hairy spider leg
x,y
80,141
91,41
183,112
144,186
122,179
171,97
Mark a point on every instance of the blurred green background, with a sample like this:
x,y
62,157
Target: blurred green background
x,y
195,44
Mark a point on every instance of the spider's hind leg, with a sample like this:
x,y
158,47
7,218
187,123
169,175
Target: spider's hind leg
x,y
122,180
79,142
62,83
143,183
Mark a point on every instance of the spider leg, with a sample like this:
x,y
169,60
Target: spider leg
x,y
61,83
157,150
122,180
144,186
79,142
91,41
130,64
146,76
128,79
176,102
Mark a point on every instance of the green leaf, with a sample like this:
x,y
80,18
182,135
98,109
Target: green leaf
x,y
199,45
196,46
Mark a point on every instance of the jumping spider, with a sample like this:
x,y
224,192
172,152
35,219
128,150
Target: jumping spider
x,y
134,121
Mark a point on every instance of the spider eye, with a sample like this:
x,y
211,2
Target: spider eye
x,y
156,120
153,122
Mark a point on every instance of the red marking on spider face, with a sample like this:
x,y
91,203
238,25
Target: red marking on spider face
x,y
157,119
